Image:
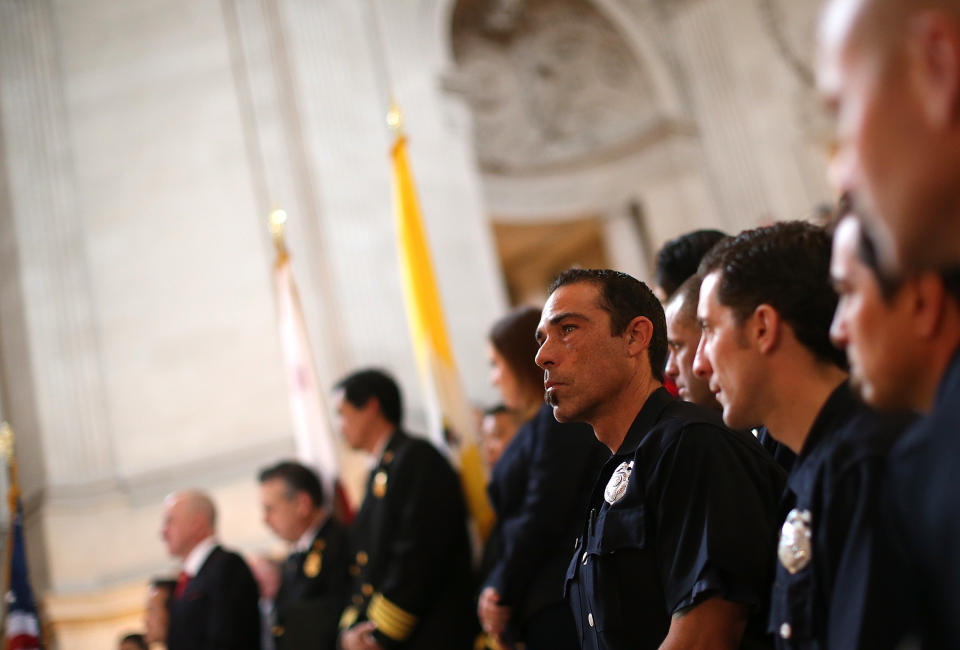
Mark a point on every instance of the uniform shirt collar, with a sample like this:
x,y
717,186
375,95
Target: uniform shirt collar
x,y
950,382
647,417
195,558
834,412
306,540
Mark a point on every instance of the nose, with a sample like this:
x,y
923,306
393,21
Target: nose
x,y
544,357
701,365
673,369
838,330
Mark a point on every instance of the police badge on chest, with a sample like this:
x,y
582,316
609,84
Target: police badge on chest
x,y
617,485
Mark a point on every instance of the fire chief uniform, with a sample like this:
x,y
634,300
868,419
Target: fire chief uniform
x,y
411,564
684,511
826,555
312,591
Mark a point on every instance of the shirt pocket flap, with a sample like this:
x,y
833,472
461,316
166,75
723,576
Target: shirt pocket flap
x,y
618,529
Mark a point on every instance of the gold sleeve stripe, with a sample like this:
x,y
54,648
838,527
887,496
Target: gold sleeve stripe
x,y
393,621
349,617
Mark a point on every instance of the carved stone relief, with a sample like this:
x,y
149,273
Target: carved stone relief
x,y
551,84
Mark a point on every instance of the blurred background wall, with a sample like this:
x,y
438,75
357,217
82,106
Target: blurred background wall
x,y
143,144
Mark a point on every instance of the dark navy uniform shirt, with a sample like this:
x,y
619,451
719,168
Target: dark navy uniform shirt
x,y
923,505
831,500
695,521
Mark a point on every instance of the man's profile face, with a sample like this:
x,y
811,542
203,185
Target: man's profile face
x,y
874,332
583,363
683,337
355,422
889,156
181,527
282,513
725,359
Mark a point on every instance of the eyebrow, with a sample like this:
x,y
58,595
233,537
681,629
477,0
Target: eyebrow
x,y
564,315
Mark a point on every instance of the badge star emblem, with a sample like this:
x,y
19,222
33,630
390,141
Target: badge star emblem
x,y
617,485
795,549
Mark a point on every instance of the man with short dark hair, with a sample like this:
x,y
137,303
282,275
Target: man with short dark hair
x,y
902,338
765,307
679,258
411,571
683,337
675,552
156,617
314,582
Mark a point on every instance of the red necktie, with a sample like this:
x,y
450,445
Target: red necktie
x,y
182,581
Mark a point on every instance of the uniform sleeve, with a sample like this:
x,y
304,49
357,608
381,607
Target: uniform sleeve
x,y
430,527
553,479
715,520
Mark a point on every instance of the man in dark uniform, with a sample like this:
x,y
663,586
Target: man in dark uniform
x,y
676,549
902,338
412,585
314,581
766,304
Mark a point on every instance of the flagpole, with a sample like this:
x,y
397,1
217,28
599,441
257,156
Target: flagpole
x,y
13,493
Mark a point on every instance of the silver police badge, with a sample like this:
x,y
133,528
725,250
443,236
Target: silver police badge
x,y
617,485
795,549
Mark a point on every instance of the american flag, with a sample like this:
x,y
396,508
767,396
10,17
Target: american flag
x,y
22,626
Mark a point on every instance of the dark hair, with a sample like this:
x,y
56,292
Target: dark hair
x,y
624,298
514,337
496,409
678,259
165,584
360,386
688,295
137,639
786,266
297,478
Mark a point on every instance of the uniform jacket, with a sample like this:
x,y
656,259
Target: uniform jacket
x,y
832,495
313,592
684,511
218,609
539,489
923,505
411,553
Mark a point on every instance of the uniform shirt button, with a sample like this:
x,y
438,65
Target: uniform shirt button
x,y
590,619
785,631
584,558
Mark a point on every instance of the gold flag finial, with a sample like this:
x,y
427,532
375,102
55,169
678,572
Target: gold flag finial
x,y
394,117
278,223
6,441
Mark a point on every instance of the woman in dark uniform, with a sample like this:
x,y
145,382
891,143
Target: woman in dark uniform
x,y
539,489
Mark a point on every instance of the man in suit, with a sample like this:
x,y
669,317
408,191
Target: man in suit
x,y
214,603
314,583
411,571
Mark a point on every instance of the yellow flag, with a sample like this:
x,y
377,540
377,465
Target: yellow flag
x,y
447,408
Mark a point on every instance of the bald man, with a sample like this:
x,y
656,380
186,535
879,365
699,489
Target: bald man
x,y
214,603
890,71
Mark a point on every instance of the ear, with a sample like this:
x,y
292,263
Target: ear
x,y
764,328
934,57
929,305
304,503
638,334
